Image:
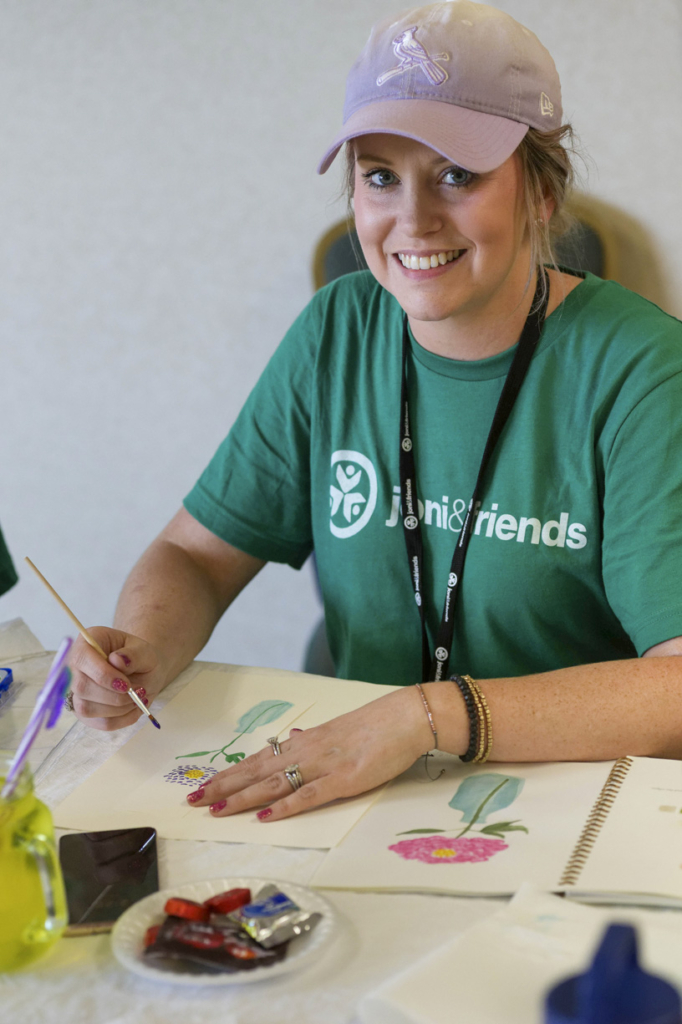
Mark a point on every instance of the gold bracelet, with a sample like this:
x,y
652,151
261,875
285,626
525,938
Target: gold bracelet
x,y
476,696
430,716
485,720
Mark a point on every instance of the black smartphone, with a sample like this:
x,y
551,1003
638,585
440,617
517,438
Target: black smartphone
x,y
104,874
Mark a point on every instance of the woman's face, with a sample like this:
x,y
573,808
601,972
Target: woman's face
x,y
413,207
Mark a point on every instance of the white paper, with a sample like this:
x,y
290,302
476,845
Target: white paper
x,y
543,815
146,782
499,971
638,850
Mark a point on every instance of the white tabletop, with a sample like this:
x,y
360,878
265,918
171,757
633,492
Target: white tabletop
x,y
80,982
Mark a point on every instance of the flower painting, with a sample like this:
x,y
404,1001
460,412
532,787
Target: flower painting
x,y
477,797
263,713
190,775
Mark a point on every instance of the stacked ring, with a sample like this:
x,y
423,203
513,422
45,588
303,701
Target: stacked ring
x,y
274,743
68,701
293,776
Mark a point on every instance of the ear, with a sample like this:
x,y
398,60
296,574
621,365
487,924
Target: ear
x,y
547,208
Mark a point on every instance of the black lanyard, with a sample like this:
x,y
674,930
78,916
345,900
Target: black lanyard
x,y
437,668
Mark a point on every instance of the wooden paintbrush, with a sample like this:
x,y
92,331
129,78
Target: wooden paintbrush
x,y
89,639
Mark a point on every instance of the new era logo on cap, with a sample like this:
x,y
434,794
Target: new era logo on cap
x,y
546,105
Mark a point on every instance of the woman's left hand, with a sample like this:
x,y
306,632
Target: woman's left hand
x,y
341,758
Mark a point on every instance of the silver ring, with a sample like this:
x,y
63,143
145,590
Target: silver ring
x,y
68,701
274,743
293,776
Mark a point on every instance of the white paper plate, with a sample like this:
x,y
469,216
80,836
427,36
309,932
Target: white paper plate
x,y
127,938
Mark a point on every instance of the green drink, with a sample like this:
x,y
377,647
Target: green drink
x,y
32,903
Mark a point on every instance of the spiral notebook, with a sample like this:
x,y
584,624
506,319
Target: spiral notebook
x,y
598,831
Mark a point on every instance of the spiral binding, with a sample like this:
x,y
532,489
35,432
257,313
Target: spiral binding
x,y
596,819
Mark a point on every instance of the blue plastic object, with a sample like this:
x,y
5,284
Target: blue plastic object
x,y
6,688
6,679
615,989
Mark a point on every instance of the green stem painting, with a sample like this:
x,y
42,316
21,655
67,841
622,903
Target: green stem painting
x,y
260,714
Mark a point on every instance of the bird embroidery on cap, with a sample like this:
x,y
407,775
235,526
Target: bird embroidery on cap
x,y
411,54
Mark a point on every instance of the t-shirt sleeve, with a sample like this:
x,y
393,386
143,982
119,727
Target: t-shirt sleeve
x,y
255,492
642,541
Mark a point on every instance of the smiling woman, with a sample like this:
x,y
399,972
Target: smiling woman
x,y
451,246
480,445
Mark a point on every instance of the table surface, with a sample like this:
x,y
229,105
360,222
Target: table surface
x,y
81,982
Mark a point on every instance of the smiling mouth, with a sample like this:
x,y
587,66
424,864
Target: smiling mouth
x,y
438,259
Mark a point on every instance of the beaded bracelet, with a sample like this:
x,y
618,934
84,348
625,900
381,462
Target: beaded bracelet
x,y
429,715
468,694
487,721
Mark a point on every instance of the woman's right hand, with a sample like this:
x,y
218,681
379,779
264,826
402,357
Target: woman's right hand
x,y
99,687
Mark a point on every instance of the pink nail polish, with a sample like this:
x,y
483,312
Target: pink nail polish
x,y
119,685
265,813
214,808
145,702
141,692
196,795
297,730
126,659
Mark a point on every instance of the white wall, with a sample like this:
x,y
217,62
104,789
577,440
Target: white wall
x,y
158,210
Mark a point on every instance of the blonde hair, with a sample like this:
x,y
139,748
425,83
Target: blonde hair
x,y
548,175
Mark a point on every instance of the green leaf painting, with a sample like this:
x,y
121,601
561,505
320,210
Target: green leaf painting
x,y
477,797
419,831
263,713
500,827
482,795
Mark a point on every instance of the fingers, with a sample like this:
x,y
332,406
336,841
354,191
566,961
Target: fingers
x,y
274,787
313,794
92,674
100,688
95,709
129,659
259,770
110,724
247,773
260,779
348,755
134,657
277,788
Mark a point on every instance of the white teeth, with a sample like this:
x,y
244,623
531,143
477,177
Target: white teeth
x,y
427,262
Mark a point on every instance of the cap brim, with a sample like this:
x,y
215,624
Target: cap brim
x,y
473,140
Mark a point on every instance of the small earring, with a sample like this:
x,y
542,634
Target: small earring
x,y
540,220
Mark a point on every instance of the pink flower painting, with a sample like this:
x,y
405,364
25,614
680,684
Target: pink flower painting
x,y
440,850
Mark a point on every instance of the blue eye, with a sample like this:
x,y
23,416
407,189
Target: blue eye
x,y
457,176
380,178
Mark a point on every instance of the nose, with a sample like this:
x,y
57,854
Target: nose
x,y
420,213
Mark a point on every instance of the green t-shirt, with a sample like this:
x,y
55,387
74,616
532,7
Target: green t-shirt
x,y
8,575
576,554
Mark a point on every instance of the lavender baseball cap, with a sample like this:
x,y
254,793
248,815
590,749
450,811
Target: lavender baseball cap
x,y
463,78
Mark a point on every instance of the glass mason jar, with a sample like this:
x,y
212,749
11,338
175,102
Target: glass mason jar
x,y
33,911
